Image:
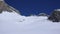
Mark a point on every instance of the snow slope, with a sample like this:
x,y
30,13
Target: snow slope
x,y
13,23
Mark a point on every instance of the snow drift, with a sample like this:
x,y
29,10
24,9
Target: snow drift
x,y
13,23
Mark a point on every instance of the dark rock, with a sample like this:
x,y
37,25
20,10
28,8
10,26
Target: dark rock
x,y
55,16
0,11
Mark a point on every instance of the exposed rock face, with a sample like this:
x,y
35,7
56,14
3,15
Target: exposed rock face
x,y
55,16
1,0
6,7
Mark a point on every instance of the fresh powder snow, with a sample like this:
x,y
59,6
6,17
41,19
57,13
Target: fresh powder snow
x,y
13,23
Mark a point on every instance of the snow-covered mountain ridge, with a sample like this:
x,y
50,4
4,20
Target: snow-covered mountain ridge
x,y
13,23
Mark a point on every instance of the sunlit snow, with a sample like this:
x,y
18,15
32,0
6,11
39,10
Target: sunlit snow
x,y
13,23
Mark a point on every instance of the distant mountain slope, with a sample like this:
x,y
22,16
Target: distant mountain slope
x,y
5,7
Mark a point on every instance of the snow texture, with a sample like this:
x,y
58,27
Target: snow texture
x,y
57,9
13,23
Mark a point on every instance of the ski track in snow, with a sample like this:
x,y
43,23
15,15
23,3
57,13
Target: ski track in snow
x,y
13,23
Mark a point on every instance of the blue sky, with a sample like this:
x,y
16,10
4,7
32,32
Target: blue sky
x,y
28,7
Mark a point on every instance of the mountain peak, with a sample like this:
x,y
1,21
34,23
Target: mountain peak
x,y
5,7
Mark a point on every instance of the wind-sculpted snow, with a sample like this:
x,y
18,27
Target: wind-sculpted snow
x,y
13,23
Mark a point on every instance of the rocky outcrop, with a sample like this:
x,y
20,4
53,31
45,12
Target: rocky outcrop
x,y
5,7
55,16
